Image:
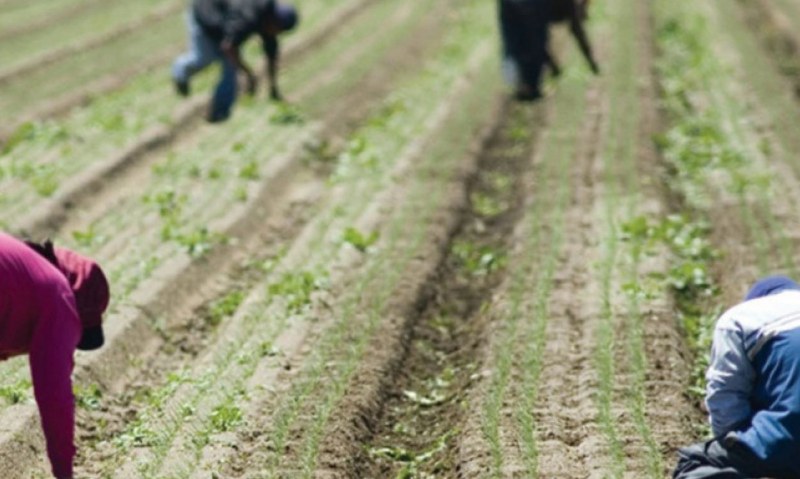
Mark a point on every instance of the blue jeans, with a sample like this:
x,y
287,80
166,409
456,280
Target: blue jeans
x,y
202,52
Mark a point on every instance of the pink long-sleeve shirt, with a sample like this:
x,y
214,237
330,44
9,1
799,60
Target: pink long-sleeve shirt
x,y
38,316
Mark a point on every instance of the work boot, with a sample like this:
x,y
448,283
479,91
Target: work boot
x,y
182,87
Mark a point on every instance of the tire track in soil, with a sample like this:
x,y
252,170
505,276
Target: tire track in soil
x,y
420,409
189,335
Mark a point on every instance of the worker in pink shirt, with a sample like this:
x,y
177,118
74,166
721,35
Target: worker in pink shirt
x,y
51,302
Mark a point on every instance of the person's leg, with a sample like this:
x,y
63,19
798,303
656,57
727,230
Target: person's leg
x,y
527,32
201,53
712,460
704,460
224,93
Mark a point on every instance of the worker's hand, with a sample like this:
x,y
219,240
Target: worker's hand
x,y
252,83
275,94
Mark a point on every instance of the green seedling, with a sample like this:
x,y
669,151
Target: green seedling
x,y
356,158
319,152
240,194
287,114
487,205
296,288
225,307
17,392
359,240
45,184
200,241
478,260
249,171
225,417
88,397
25,132
500,182
86,238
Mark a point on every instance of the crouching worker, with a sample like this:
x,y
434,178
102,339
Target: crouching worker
x,y
217,30
753,391
51,302
524,28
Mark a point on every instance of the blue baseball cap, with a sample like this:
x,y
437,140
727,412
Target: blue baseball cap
x,y
770,285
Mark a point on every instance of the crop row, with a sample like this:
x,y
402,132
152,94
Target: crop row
x,y
369,166
569,358
724,164
352,164
44,157
140,48
189,188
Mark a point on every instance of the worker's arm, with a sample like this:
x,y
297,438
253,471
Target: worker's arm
x,y
272,52
730,381
576,25
51,360
232,52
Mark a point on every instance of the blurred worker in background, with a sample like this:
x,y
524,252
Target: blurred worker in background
x,y
524,26
217,30
753,390
51,301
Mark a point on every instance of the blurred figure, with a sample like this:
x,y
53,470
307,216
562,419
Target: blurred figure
x,y
51,302
524,26
217,29
753,389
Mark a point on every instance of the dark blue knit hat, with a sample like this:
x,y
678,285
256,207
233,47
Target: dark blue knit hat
x,y
770,285
286,15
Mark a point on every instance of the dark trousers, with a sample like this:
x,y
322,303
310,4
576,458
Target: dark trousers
x,y
523,26
712,460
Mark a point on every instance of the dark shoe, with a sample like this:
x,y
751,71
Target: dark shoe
x,y
182,88
528,96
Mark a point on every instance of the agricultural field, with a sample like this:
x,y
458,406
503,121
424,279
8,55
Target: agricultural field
x,y
399,272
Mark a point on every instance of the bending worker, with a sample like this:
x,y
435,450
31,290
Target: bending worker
x,y
753,391
524,26
51,302
217,30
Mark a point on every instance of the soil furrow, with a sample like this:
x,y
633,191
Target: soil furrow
x,y
421,408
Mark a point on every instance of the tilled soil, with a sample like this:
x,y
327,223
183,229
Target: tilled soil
x,y
422,409
505,344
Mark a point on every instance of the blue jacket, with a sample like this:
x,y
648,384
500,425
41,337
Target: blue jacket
x,y
753,381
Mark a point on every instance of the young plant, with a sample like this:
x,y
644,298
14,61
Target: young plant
x,y
359,240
